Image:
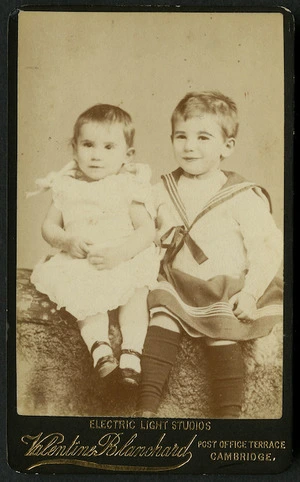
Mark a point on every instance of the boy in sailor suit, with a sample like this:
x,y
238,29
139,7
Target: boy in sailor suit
x,y
222,252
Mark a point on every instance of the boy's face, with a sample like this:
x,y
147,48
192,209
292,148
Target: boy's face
x,y
100,150
199,144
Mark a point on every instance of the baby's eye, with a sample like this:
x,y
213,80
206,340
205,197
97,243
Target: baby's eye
x,y
109,146
87,144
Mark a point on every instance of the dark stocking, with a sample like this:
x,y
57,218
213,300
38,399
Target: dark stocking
x,y
158,357
227,379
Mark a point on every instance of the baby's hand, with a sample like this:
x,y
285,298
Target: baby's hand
x,y
105,258
78,247
243,306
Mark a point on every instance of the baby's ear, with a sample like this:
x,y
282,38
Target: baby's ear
x,y
228,148
74,148
130,153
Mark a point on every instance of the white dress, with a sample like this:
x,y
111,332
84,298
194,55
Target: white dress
x,y
99,211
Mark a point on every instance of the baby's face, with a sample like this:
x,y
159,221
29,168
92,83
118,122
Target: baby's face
x,y
100,150
199,144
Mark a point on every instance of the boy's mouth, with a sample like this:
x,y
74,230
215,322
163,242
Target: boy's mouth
x,y
189,159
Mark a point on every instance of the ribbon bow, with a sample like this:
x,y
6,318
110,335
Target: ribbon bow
x,y
180,236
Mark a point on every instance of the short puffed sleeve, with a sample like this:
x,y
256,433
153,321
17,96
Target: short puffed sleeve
x,y
166,215
55,181
138,186
159,195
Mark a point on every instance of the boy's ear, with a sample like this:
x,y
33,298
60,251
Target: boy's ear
x,y
228,147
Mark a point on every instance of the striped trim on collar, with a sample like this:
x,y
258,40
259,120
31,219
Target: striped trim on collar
x,y
234,185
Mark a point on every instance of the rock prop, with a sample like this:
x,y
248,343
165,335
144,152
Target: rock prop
x,y
56,377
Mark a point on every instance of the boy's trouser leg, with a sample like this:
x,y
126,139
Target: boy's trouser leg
x,y
226,368
159,354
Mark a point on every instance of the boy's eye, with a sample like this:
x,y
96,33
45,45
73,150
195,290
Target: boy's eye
x,y
87,144
180,136
203,138
109,146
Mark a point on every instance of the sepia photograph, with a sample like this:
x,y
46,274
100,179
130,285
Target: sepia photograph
x,y
150,205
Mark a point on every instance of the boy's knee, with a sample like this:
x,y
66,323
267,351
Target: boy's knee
x,y
214,342
165,321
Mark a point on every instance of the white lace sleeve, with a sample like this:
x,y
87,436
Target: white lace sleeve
x,y
139,188
158,192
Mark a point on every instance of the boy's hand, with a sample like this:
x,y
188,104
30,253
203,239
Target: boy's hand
x,y
105,258
78,247
243,306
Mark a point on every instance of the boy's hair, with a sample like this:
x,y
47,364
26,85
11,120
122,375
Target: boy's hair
x,y
106,114
209,102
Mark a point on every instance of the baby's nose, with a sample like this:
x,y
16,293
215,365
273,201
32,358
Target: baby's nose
x,y
97,154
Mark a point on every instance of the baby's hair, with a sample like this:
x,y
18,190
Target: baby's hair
x,y
209,102
106,114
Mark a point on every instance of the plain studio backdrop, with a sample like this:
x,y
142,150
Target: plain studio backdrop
x,y
144,63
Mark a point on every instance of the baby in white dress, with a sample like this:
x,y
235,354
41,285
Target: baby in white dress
x,y
101,220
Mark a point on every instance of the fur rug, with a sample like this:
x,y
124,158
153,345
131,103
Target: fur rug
x,y
55,374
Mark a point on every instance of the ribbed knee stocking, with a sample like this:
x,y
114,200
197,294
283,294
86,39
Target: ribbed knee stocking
x,y
227,373
159,354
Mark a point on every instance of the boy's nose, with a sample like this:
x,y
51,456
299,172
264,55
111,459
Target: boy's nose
x,y
189,145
